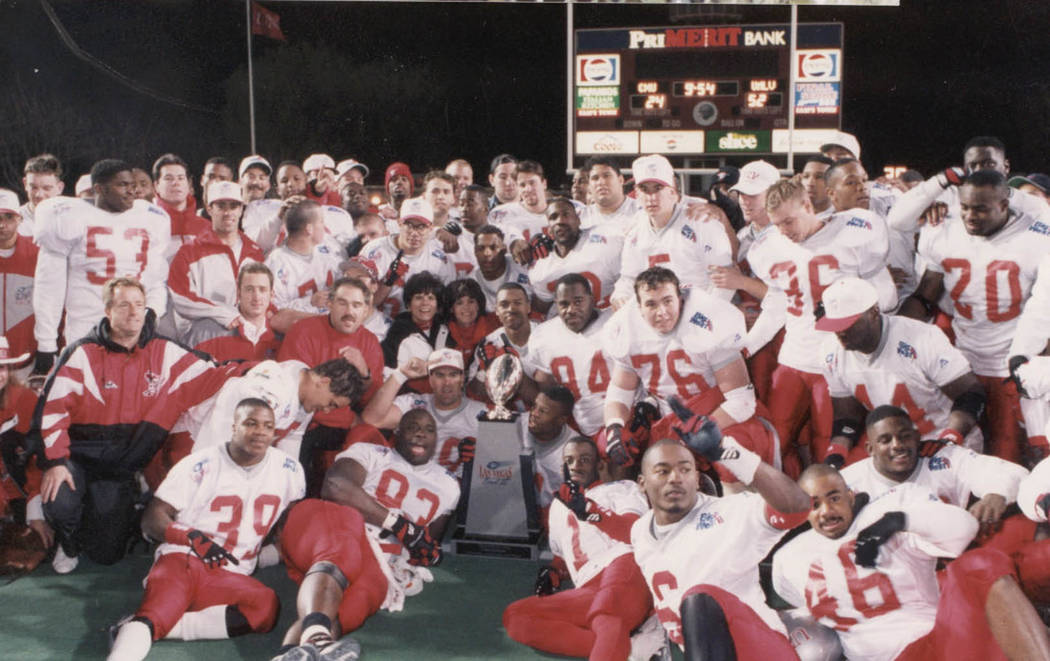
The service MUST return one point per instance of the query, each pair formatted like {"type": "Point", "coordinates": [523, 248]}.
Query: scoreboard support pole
{"type": "Point", "coordinates": [570, 106]}
{"type": "Point", "coordinates": [791, 88]}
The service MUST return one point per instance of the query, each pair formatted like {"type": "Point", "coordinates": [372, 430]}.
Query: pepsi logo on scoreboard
{"type": "Point", "coordinates": [823, 64]}
{"type": "Point", "coordinates": [597, 70]}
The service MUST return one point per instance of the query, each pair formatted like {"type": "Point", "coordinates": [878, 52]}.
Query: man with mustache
{"type": "Point", "coordinates": [869, 571]}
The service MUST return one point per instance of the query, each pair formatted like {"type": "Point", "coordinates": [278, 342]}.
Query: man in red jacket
{"type": "Point", "coordinates": [17, 265]}
{"type": "Point", "coordinates": [105, 410]}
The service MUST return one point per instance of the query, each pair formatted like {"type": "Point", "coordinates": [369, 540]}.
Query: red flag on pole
{"type": "Point", "coordinates": [266, 22]}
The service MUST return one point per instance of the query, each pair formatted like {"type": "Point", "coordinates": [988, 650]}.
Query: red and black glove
{"type": "Point", "coordinates": [644, 414]}
{"type": "Point", "coordinates": [422, 549]}
{"type": "Point", "coordinates": [954, 176]}
{"type": "Point", "coordinates": [570, 494]}
{"type": "Point", "coordinates": [453, 228]}
{"type": "Point", "coordinates": [620, 451]}
{"type": "Point", "coordinates": [490, 351]}
{"type": "Point", "coordinates": [874, 536]}
{"type": "Point", "coordinates": [547, 581]}
{"type": "Point", "coordinates": [467, 447]}
{"type": "Point", "coordinates": [204, 547]}
{"type": "Point", "coordinates": [541, 246]}
{"type": "Point", "coordinates": [699, 432]}
{"type": "Point", "coordinates": [398, 268]}
{"type": "Point", "coordinates": [836, 456]}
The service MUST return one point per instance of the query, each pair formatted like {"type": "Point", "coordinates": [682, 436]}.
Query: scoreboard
{"type": "Point", "coordinates": [693, 91]}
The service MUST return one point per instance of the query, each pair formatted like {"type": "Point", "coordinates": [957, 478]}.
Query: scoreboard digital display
{"type": "Point", "coordinates": [702, 90]}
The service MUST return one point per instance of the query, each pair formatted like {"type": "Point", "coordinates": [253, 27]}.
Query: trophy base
{"type": "Point", "coordinates": [495, 547]}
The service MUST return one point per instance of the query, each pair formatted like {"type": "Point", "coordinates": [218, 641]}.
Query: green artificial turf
{"type": "Point", "coordinates": [45, 616]}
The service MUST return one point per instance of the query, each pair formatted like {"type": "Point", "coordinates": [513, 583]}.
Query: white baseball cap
{"type": "Point", "coordinates": [83, 184]}
{"type": "Point", "coordinates": [224, 190]}
{"type": "Point", "coordinates": [844, 302]}
{"type": "Point", "coordinates": [253, 161]}
{"type": "Point", "coordinates": [9, 201]}
{"type": "Point", "coordinates": [846, 141]}
{"type": "Point", "coordinates": [349, 164]}
{"type": "Point", "coordinates": [653, 167]}
{"type": "Point", "coordinates": [318, 161]}
{"type": "Point", "coordinates": [756, 177]}
{"type": "Point", "coordinates": [5, 354]}
{"type": "Point", "coordinates": [417, 208]}
{"type": "Point", "coordinates": [445, 358]}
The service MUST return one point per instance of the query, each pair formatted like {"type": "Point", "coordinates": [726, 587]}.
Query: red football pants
{"type": "Point", "coordinates": [1002, 428]}
{"type": "Point", "coordinates": [797, 397]}
{"type": "Point", "coordinates": [961, 629]}
{"type": "Point", "coordinates": [179, 583]}
{"type": "Point", "coordinates": [319, 530]}
{"type": "Point", "coordinates": [593, 621]}
{"type": "Point", "coordinates": [752, 637]}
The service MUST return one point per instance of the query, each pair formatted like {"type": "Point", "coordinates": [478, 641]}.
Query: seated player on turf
{"type": "Point", "coordinates": [590, 532]}
{"type": "Point", "coordinates": [700, 554]}
{"type": "Point", "coordinates": [211, 515]}
{"type": "Point", "coordinates": [366, 546]}
{"type": "Point", "coordinates": [869, 571]}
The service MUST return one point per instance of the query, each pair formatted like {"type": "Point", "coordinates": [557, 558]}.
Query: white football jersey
{"type": "Point", "coordinates": [688, 248]}
{"type": "Point", "coordinates": [496, 337]}
{"type": "Point", "coordinates": [517, 222]}
{"type": "Point", "coordinates": [263, 225]}
{"type": "Point", "coordinates": [582, 544]}
{"type": "Point", "coordinates": [432, 258]}
{"type": "Point", "coordinates": [618, 222]}
{"type": "Point", "coordinates": [513, 272]}
{"type": "Point", "coordinates": [851, 243]}
{"type": "Point", "coordinates": [912, 363]}
{"type": "Point", "coordinates": [719, 542]}
{"type": "Point", "coordinates": [25, 228]}
{"type": "Point", "coordinates": [463, 261]}
{"type": "Point", "coordinates": [953, 474]}
{"type": "Point", "coordinates": [209, 423]}
{"type": "Point", "coordinates": [420, 493]}
{"type": "Point", "coordinates": [296, 278]}
{"type": "Point", "coordinates": [548, 460]}
{"type": "Point", "coordinates": [81, 247]}
{"type": "Point", "coordinates": [989, 280]}
{"type": "Point", "coordinates": [452, 426]}
{"type": "Point", "coordinates": [877, 612]}
{"type": "Point", "coordinates": [709, 336]}
{"type": "Point", "coordinates": [596, 256]}
{"type": "Point", "coordinates": [576, 361]}
{"type": "Point", "coordinates": [234, 505]}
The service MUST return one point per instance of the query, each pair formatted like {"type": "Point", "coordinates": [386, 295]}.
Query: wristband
{"type": "Point", "coordinates": [177, 533]}
{"type": "Point", "coordinates": [390, 521]}
{"type": "Point", "coordinates": [615, 421]}
{"type": "Point", "coordinates": [399, 376]}
{"type": "Point", "coordinates": [951, 435]}
{"type": "Point", "coordinates": [739, 460]}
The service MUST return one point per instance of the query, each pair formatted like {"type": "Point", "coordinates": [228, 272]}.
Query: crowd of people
{"type": "Point", "coordinates": [800, 416]}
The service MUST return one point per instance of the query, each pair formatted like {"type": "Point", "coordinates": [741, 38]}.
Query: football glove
{"type": "Point", "coordinates": [874, 536]}
{"type": "Point", "coordinates": [397, 269]}
{"type": "Point", "coordinates": [700, 433]}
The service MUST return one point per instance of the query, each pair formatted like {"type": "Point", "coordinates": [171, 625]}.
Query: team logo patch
{"type": "Point", "coordinates": [282, 275]}
{"type": "Point", "coordinates": [943, 362]}
{"type": "Point", "coordinates": [153, 383]}
{"type": "Point", "coordinates": [289, 463]}
{"type": "Point", "coordinates": [523, 279]}
{"type": "Point", "coordinates": [857, 221]}
{"type": "Point", "coordinates": [24, 295]}
{"type": "Point", "coordinates": [497, 472]}
{"type": "Point", "coordinates": [439, 255]}
{"type": "Point", "coordinates": [708, 519]}
{"type": "Point", "coordinates": [158, 211]}
{"type": "Point", "coordinates": [496, 215]}
{"type": "Point", "coordinates": [701, 320]}
{"type": "Point", "coordinates": [200, 469]}
{"type": "Point", "coordinates": [906, 350]}
{"type": "Point", "coordinates": [1040, 227]}
{"type": "Point", "coordinates": [419, 403]}
{"type": "Point", "coordinates": [829, 359]}
{"type": "Point", "coordinates": [597, 238]}
{"type": "Point", "coordinates": [688, 233]}
{"type": "Point", "coordinates": [940, 463]}
{"type": "Point", "coordinates": [323, 249]}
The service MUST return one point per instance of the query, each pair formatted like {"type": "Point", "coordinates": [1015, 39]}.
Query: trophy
{"type": "Point", "coordinates": [500, 505]}
{"type": "Point", "coordinates": [501, 381]}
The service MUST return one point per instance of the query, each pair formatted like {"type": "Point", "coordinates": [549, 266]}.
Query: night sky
{"type": "Point", "coordinates": [426, 82]}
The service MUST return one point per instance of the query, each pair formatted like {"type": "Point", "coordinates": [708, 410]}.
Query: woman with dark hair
{"type": "Point", "coordinates": [417, 331]}
{"type": "Point", "coordinates": [468, 322]}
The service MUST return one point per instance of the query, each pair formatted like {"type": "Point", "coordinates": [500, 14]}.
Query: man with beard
{"type": "Point", "coordinates": [591, 253]}
{"type": "Point", "coordinates": [254, 177]}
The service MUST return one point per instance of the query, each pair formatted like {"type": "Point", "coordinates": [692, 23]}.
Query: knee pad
{"type": "Point", "coordinates": [325, 567]}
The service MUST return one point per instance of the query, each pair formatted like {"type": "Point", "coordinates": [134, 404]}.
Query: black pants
{"type": "Point", "coordinates": [97, 518]}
